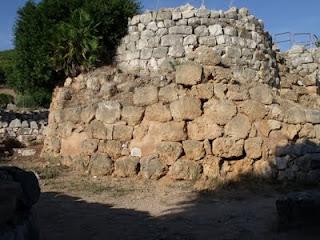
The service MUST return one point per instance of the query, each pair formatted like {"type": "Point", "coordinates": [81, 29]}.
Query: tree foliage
{"type": "Point", "coordinates": [59, 38]}
{"type": "Point", "coordinates": [6, 65]}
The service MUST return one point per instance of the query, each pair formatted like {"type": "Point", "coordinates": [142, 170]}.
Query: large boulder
{"type": "Point", "coordinates": [151, 167]}
{"type": "Point", "coordinates": [188, 74]}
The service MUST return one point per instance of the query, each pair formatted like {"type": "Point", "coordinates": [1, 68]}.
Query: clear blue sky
{"type": "Point", "coordinates": [278, 15]}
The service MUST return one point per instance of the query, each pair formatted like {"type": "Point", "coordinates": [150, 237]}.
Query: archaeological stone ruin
{"type": "Point", "coordinates": [193, 94]}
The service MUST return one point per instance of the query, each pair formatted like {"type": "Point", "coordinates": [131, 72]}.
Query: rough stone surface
{"type": "Point", "coordinates": [228, 147]}
{"type": "Point", "coordinates": [169, 151]}
{"type": "Point", "coordinates": [126, 167]}
{"type": "Point", "coordinates": [193, 149]}
{"type": "Point", "coordinates": [101, 165]}
{"type": "Point", "coordinates": [186, 108]}
{"type": "Point", "coordinates": [188, 74]}
{"type": "Point", "coordinates": [108, 112]}
{"type": "Point", "coordinates": [185, 170]}
{"type": "Point", "coordinates": [152, 167]}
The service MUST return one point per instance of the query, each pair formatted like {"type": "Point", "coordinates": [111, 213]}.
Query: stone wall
{"type": "Point", "coordinates": [24, 126]}
{"type": "Point", "coordinates": [212, 116]}
{"type": "Point", "coordinates": [300, 75]}
{"type": "Point", "coordinates": [157, 41]}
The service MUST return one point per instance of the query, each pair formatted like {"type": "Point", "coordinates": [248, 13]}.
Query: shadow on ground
{"type": "Point", "coordinates": [238, 212]}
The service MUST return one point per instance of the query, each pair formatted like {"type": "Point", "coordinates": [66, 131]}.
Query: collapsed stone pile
{"type": "Point", "coordinates": [209, 116]}
{"type": "Point", "coordinates": [25, 127]}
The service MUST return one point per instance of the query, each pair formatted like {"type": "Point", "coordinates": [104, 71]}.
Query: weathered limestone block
{"type": "Point", "coordinates": [207, 56]}
{"type": "Point", "coordinates": [208, 41]}
{"type": "Point", "coordinates": [89, 146]}
{"type": "Point", "coordinates": [201, 31]}
{"type": "Point", "coordinates": [307, 131]}
{"type": "Point", "coordinates": [238, 127]}
{"type": "Point", "coordinates": [188, 74]}
{"type": "Point", "coordinates": [171, 40]}
{"type": "Point", "coordinates": [122, 132]}
{"type": "Point", "coordinates": [172, 131]}
{"type": "Point", "coordinates": [158, 112]}
{"type": "Point", "coordinates": [88, 114]}
{"type": "Point", "coordinates": [253, 147]}
{"type": "Point", "coordinates": [215, 30]}
{"type": "Point", "coordinates": [313, 116]}
{"type": "Point", "coordinates": [152, 168]}
{"type": "Point", "coordinates": [190, 40]}
{"type": "Point", "coordinates": [220, 112]}
{"type": "Point", "coordinates": [202, 128]}
{"type": "Point", "coordinates": [112, 148]}
{"type": "Point", "coordinates": [211, 167]}
{"type": "Point", "coordinates": [132, 115]}
{"type": "Point", "coordinates": [237, 93]}
{"type": "Point", "coordinates": [176, 51]}
{"type": "Point", "coordinates": [168, 93]}
{"type": "Point", "coordinates": [294, 114]}
{"type": "Point", "coordinates": [71, 114]}
{"type": "Point", "coordinates": [160, 52]}
{"type": "Point", "coordinates": [99, 130]}
{"type": "Point", "coordinates": [126, 167]}
{"type": "Point", "coordinates": [145, 96]}
{"type": "Point", "coordinates": [253, 109]}
{"type": "Point", "coordinates": [184, 169]}
{"type": "Point", "coordinates": [261, 94]}
{"type": "Point", "coordinates": [163, 15]}
{"type": "Point", "coordinates": [169, 152]}
{"type": "Point", "coordinates": [101, 165]}
{"type": "Point", "coordinates": [184, 30]}
{"type": "Point", "coordinates": [108, 112]}
{"type": "Point", "coordinates": [202, 91]}
{"type": "Point", "coordinates": [291, 131]}
{"type": "Point", "coordinates": [266, 126]}
{"type": "Point", "coordinates": [193, 149]}
{"type": "Point", "coordinates": [227, 147]}
{"type": "Point", "coordinates": [186, 108]}
{"type": "Point", "coordinates": [263, 169]}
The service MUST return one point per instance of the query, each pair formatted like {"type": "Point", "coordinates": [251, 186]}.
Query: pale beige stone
{"type": "Point", "coordinates": [108, 112]}
{"type": "Point", "coordinates": [211, 167]}
{"type": "Point", "coordinates": [186, 108]}
{"type": "Point", "coordinates": [158, 112]}
{"type": "Point", "coordinates": [253, 147]}
{"type": "Point", "coordinates": [152, 168]}
{"type": "Point", "coordinates": [262, 93]}
{"type": "Point", "coordinates": [132, 115]}
{"type": "Point", "coordinates": [202, 91]}
{"type": "Point", "coordinates": [145, 96]}
{"type": "Point", "coordinates": [168, 93]}
{"type": "Point", "coordinates": [254, 110]}
{"type": "Point", "coordinates": [219, 111]}
{"type": "Point", "coordinates": [203, 128]}
{"type": "Point", "coordinates": [227, 147]}
{"type": "Point", "coordinates": [188, 74]}
{"type": "Point", "coordinates": [238, 127]}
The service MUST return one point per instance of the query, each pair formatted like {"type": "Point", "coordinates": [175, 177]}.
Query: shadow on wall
{"type": "Point", "coordinates": [233, 211]}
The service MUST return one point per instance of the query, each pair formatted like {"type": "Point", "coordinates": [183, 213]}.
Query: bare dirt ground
{"type": "Point", "coordinates": [74, 207]}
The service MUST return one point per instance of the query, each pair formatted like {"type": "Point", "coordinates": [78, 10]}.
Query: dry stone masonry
{"type": "Point", "coordinates": [24, 126]}
{"type": "Point", "coordinates": [158, 41]}
{"type": "Point", "coordinates": [191, 97]}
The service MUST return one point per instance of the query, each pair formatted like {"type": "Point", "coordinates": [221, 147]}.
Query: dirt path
{"type": "Point", "coordinates": [76, 207]}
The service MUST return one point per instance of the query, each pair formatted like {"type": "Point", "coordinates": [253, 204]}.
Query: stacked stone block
{"type": "Point", "coordinates": [157, 41]}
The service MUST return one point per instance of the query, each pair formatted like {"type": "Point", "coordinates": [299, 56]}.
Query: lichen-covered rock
{"type": "Point", "coordinates": [193, 149]}
{"type": "Point", "coordinates": [101, 165]}
{"type": "Point", "coordinates": [126, 167]}
{"type": "Point", "coordinates": [152, 168]}
{"type": "Point", "coordinates": [184, 169]}
{"type": "Point", "coordinates": [169, 152]}
{"type": "Point", "coordinates": [111, 148]}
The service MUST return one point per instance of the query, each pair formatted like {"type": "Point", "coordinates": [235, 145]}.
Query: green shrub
{"type": "Point", "coordinates": [59, 38]}
{"type": "Point", "coordinates": [6, 65]}
{"type": "Point", "coordinates": [5, 100]}
{"type": "Point", "coordinates": [38, 97]}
